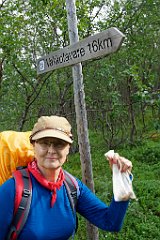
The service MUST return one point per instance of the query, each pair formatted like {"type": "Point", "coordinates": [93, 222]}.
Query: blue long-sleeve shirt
{"type": "Point", "coordinates": [58, 222]}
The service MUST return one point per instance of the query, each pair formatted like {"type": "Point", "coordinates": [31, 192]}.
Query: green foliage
{"type": "Point", "coordinates": [146, 152]}
{"type": "Point", "coordinates": [122, 95]}
{"type": "Point", "coordinates": [142, 219]}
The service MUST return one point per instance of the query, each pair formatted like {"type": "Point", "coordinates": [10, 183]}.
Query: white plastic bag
{"type": "Point", "coordinates": [122, 182]}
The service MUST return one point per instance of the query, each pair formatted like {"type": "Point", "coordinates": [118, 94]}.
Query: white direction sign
{"type": "Point", "coordinates": [96, 46]}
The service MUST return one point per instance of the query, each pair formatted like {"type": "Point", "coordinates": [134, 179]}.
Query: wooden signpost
{"type": "Point", "coordinates": [96, 46]}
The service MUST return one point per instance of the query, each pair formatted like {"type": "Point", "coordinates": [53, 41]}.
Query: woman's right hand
{"type": "Point", "coordinates": [123, 163]}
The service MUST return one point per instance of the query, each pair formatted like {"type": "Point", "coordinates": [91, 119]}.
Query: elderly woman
{"type": "Point", "coordinates": [51, 216]}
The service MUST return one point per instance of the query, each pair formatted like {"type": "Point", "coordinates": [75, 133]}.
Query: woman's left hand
{"type": "Point", "coordinates": [123, 163]}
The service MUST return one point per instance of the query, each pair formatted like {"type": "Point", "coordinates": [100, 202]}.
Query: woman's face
{"type": "Point", "coordinates": [51, 153]}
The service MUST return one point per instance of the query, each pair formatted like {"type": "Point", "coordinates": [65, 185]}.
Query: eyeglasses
{"type": "Point", "coordinates": [57, 144]}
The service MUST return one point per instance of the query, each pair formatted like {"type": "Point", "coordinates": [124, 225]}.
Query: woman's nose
{"type": "Point", "coordinates": [51, 147]}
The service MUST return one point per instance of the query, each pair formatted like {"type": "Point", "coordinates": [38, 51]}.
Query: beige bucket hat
{"type": "Point", "coordinates": [52, 126]}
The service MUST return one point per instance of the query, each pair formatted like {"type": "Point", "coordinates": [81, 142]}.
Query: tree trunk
{"type": "Point", "coordinates": [81, 115]}
{"type": "Point", "coordinates": [131, 111]}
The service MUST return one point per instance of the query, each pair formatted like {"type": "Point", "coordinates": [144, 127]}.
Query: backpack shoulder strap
{"type": "Point", "coordinates": [73, 193]}
{"type": "Point", "coordinates": [72, 188]}
{"type": "Point", "coordinates": [23, 196]}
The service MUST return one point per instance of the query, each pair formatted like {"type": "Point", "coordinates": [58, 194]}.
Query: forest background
{"type": "Point", "coordinates": [122, 92]}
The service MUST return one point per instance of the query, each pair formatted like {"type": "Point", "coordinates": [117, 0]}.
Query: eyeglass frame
{"type": "Point", "coordinates": [45, 144]}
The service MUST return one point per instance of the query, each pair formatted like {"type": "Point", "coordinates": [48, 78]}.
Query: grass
{"type": "Point", "coordinates": [142, 221]}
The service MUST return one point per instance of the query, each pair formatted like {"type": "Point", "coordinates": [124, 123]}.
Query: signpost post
{"type": "Point", "coordinates": [96, 46]}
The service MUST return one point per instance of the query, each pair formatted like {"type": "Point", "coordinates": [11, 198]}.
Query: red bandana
{"type": "Point", "coordinates": [52, 186]}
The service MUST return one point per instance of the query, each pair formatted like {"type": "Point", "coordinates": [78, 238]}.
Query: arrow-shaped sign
{"type": "Point", "coordinates": [96, 46]}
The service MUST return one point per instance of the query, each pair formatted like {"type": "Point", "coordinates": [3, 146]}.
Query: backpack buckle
{"type": "Point", "coordinates": [26, 192]}
{"type": "Point", "coordinates": [74, 194]}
